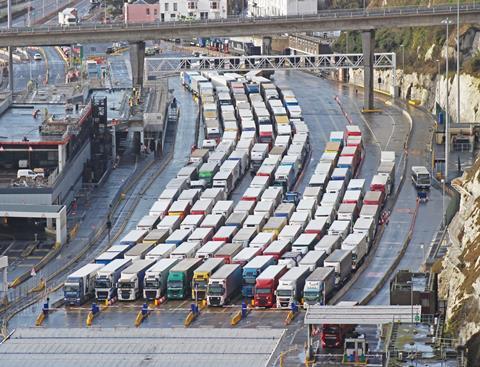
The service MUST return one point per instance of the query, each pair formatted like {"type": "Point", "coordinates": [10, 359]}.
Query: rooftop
{"type": "Point", "coordinates": [17, 123]}
{"type": "Point", "coordinates": [140, 347]}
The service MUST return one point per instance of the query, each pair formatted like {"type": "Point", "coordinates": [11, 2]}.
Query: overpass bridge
{"type": "Point", "coordinates": [366, 20]}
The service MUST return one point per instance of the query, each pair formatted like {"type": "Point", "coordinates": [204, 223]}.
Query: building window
{"type": "Point", "coordinates": [175, 8]}
{"type": "Point", "coordinates": [172, 16]}
{"type": "Point", "coordinates": [166, 6]}
{"type": "Point", "coordinates": [162, 17]}
{"type": "Point", "coordinates": [191, 5]}
{"type": "Point", "coordinates": [213, 5]}
{"type": "Point", "coordinates": [203, 15]}
{"type": "Point", "coordinates": [191, 14]}
{"type": "Point", "coordinates": [155, 11]}
{"type": "Point", "coordinates": [148, 11]}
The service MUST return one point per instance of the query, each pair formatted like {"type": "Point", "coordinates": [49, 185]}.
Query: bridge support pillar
{"type": "Point", "coordinates": [266, 45]}
{"type": "Point", "coordinates": [137, 61]}
{"type": "Point", "coordinates": [368, 40]}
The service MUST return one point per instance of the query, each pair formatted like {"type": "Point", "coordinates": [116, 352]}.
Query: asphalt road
{"type": "Point", "coordinates": [401, 218]}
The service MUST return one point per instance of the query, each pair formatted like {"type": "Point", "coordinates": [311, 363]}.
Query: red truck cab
{"type": "Point", "coordinates": [333, 336]}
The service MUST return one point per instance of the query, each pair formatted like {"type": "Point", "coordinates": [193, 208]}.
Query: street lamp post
{"type": "Point", "coordinates": [447, 118]}
{"type": "Point", "coordinates": [458, 61]}
{"type": "Point", "coordinates": [403, 57]}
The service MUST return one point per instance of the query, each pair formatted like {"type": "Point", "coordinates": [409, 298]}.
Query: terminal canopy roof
{"type": "Point", "coordinates": [361, 315]}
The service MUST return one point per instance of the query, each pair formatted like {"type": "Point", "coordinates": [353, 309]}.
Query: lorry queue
{"type": "Point", "coordinates": [274, 246]}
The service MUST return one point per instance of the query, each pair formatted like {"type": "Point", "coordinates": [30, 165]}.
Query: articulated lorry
{"type": "Point", "coordinates": [107, 278]}
{"type": "Point", "coordinates": [252, 270]}
{"type": "Point", "coordinates": [266, 285]}
{"type": "Point", "coordinates": [80, 285]}
{"type": "Point", "coordinates": [341, 260]}
{"type": "Point", "coordinates": [290, 286]}
{"type": "Point", "coordinates": [318, 286]}
{"type": "Point", "coordinates": [179, 282]}
{"type": "Point", "coordinates": [224, 284]}
{"type": "Point", "coordinates": [201, 276]}
{"type": "Point", "coordinates": [155, 281]}
{"type": "Point", "coordinates": [130, 284]}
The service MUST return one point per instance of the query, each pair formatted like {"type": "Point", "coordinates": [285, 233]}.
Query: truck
{"type": "Point", "coordinates": [329, 244]}
{"type": "Point", "coordinates": [179, 281]}
{"type": "Point", "coordinates": [185, 250]}
{"type": "Point", "coordinates": [318, 286]}
{"type": "Point", "coordinates": [155, 280]}
{"type": "Point", "coordinates": [341, 260]}
{"type": "Point", "coordinates": [284, 210]}
{"type": "Point", "coordinates": [245, 255]}
{"type": "Point", "coordinates": [201, 276]}
{"type": "Point", "coordinates": [305, 242]}
{"type": "Point", "coordinates": [365, 226]}
{"type": "Point", "coordinates": [290, 259]}
{"type": "Point", "coordinates": [225, 233]}
{"type": "Point", "coordinates": [266, 285]}
{"type": "Point", "coordinates": [161, 251]}
{"type": "Point", "coordinates": [133, 237]}
{"type": "Point", "coordinates": [223, 207]}
{"type": "Point", "coordinates": [130, 284]}
{"type": "Point", "coordinates": [156, 236]}
{"type": "Point", "coordinates": [237, 219]}
{"type": "Point", "coordinates": [258, 153]}
{"type": "Point", "coordinates": [107, 278]}
{"type": "Point", "coordinates": [107, 257]}
{"type": "Point", "coordinates": [252, 270]}
{"type": "Point", "coordinates": [290, 286]}
{"type": "Point", "coordinates": [80, 285]}
{"type": "Point", "coordinates": [160, 208]}
{"type": "Point", "coordinates": [138, 251]}
{"type": "Point", "coordinates": [148, 222]}
{"type": "Point", "coordinates": [313, 259]}
{"type": "Point", "coordinates": [68, 17]}
{"type": "Point", "coordinates": [244, 236]}
{"type": "Point", "coordinates": [224, 284]}
{"type": "Point", "coordinates": [357, 243]}
{"type": "Point", "coordinates": [228, 251]}
{"type": "Point", "coordinates": [277, 248]}
{"type": "Point", "coordinates": [209, 249]}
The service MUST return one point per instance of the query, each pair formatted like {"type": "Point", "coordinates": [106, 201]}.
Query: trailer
{"type": "Point", "coordinates": [313, 259]}
{"type": "Point", "coordinates": [329, 244]}
{"type": "Point", "coordinates": [80, 285]}
{"type": "Point", "coordinates": [228, 251]}
{"type": "Point", "coordinates": [186, 250]}
{"type": "Point", "coordinates": [139, 251]}
{"type": "Point", "coordinates": [202, 275]}
{"type": "Point", "coordinates": [155, 280]}
{"type": "Point", "coordinates": [209, 249]}
{"type": "Point", "coordinates": [357, 244]}
{"type": "Point", "coordinates": [223, 284]}
{"type": "Point", "coordinates": [107, 277]}
{"type": "Point", "coordinates": [290, 286]}
{"type": "Point", "coordinates": [266, 284]}
{"type": "Point", "coordinates": [319, 286]}
{"type": "Point", "coordinates": [277, 248]}
{"type": "Point", "coordinates": [130, 284]}
{"type": "Point", "coordinates": [179, 281]}
{"type": "Point", "coordinates": [341, 260]}
{"type": "Point", "coordinates": [252, 270]}
{"type": "Point", "coordinates": [160, 251]}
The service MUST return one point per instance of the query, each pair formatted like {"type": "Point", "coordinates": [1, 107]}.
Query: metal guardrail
{"type": "Point", "coordinates": [334, 13]}
{"type": "Point", "coordinates": [160, 65]}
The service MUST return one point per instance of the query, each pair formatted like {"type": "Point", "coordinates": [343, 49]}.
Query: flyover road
{"type": "Point", "coordinates": [323, 21]}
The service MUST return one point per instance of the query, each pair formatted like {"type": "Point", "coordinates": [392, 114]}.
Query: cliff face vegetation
{"type": "Point", "coordinates": [460, 274]}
